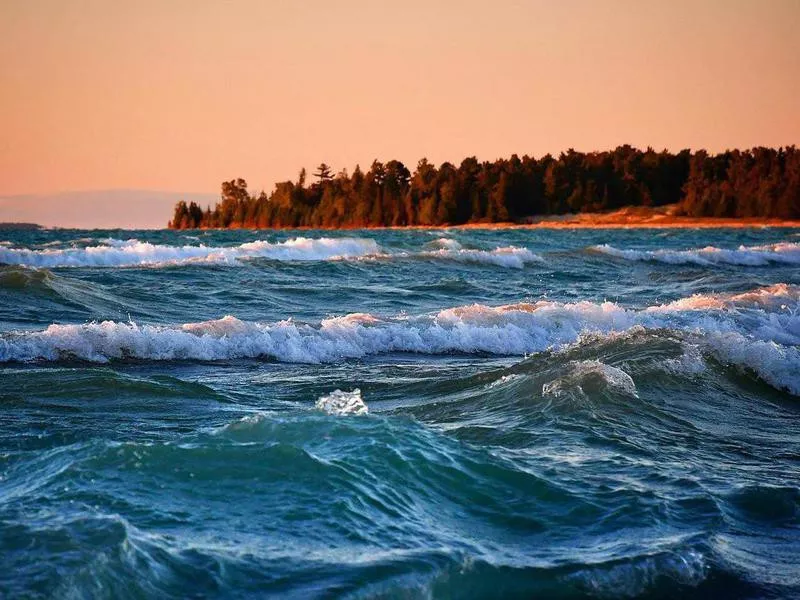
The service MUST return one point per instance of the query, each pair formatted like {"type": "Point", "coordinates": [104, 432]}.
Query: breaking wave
{"type": "Point", "coordinates": [119, 253]}
{"type": "Point", "coordinates": [758, 331]}
{"type": "Point", "coordinates": [508, 256]}
{"type": "Point", "coordinates": [112, 252]}
{"type": "Point", "coordinates": [751, 256]}
{"type": "Point", "coordinates": [449, 250]}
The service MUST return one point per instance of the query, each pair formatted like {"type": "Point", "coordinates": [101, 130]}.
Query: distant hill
{"type": "Point", "coordinates": [97, 209]}
{"type": "Point", "coordinates": [19, 226]}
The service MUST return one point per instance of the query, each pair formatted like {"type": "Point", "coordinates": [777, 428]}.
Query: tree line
{"type": "Point", "coordinates": [761, 182]}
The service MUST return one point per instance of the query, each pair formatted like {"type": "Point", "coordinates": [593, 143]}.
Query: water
{"type": "Point", "coordinates": [452, 413]}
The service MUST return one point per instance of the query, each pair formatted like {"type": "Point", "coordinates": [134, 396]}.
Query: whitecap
{"type": "Point", "coordinates": [757, 336]}
{"type": "Point", "coordinates": [752, 256]}
{"type": "Point", "coordinates": [341, 403]}
{"type": "Point", "coordinates": [133, 252]}
{"type": "Point", "coordinates": [511, 257]}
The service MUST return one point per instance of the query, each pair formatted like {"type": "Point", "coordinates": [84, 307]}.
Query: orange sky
{"type": "Point", "coordinates": [179, 95]}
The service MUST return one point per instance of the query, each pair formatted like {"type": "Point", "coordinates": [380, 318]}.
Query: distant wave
{"type": "Point", "coordinates": [762, 338]}
{"type": "Point", "coordinates": [507, 256]}
{"type": "Point", "coordinates": [119, 253]}
{"type": "Point", "coordinates": [751, 256]}
{"type": "Point", "coordinates": [772, 298]}
{"type": "Point", "coordinates": [112, 252]}
{"type": "Point", "coordinates": [449, 250]}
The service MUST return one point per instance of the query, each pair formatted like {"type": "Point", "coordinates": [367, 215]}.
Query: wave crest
{"type": "Point", "coordinates": [507, 256]}
{"type": "Point", "coordinates": [750, 256]}
{"type": "Point", "coordinates": [754, 339]}
{"type": "Point", "coordinates": [592, 373]}
{"type": "Point", "coordinates": [128, 253]}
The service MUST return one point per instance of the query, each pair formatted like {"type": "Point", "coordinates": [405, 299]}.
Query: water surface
{"type": "Point", "coordinates": [446, 413]}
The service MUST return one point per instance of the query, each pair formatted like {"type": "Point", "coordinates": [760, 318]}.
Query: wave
{"type": "Point", "coordinates": [70, 293]}
{"type": "Point", "coordinates": [449, 250]}
{"type": "Point", "coordinates": [508, 256]}
{"type": "Point", "coordinates": [751, 256]}
{"type": "Point", "coordinates": [778, 297]}
{"type": "Point", "coordinates": [593, 373]}
{"type": "Point", "coordinates": [635, 576]}
{"type": "Point", "coordinates": [124, 253]}
{"type": "Point", "coordinates": [21, 278]}
{"type": "Point", "coordinates": [110, 252]}
{"type": "Point", "coordinates": [762, 341]}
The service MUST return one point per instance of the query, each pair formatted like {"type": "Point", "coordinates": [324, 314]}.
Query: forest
{"type": "Point", "coordinates": [760, 182]}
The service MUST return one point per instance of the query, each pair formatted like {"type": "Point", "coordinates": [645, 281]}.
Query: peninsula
{"type": "Point", "coordinates": [624, 187]}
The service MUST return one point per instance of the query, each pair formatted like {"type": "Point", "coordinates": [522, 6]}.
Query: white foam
{"type": "Point", "coordinates": [449, 250]}
{"type": "Point", "coordinates": [444, 243]}
{"type": "Point", "coordinates": [121, 253]}
{"type": "Point", "coordinates": [111, 252]}
{"type": "Point", "coordinates": [770, 313]}
{"type": "Point", "coordinates": [341, 403]}
{"type": "Point", "coordinates": [776, 364]}
{"type": "Point", "coordinates": [753, 256]}
{"type": "Point", "coordinates": [508, 256]}
{"type": "Point", "coordinates": [778, 297]}
{"type": "Point", "coordinates": [758, 336]}
{"type": "Point", "coordinates": [504, 330]}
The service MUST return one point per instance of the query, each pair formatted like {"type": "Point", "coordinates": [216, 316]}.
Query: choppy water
{"type": "Point", "coordinates": [400, 414]}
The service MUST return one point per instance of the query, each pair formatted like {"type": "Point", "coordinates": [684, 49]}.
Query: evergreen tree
{"type": "Point", "coordinates": [761, 182]}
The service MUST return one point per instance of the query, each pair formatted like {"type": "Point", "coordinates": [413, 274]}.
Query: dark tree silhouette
{"type": "Point", "coordinates": [762, 182]}
{"type": "Point", "coordinates": [323, 173]}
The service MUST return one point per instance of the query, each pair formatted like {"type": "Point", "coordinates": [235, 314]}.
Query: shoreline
{"type": "Point", "coordinates": [590, 222]}
{"type": "Point", "coordinates": [582, 221]}
{"type": "Point", "coordinates": [629, 217]}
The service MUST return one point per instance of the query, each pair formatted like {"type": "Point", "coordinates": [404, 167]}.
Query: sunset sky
{"type": "Point", "coordinates": [178, 95]}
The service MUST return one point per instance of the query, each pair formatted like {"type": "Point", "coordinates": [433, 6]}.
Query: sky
{"type": "Point", "coordinates": [176, 96]}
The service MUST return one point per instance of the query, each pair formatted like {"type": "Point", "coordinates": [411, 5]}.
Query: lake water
{"type": "Point", "coordinates": [426, 413]}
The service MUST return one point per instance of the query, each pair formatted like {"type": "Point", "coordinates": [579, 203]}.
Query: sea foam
{"type": "Point", "coordinates": [341, 403]}
{"type": "Point", "coordinates": [449, 250]}
{"type": "Point", "coordinates": [506, 256]}
{"type": "Point", "coordinates": [763, 339]}
{"type": "Point", "coordinates": [125, 253]}
{"type": "Point", "coordinates": [752, 256]}
{"type": "Point", "coordinates": [111, 252]}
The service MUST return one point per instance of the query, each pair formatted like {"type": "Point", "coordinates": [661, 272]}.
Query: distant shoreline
{"type": "Point", "coordinates": [621, 220]}
{"type": "Point", "coordinates": [645, 187]}
{"type": "Point", "coordinates": [625, 218]}
{"type": "Point", "coordinates": [20, 226]}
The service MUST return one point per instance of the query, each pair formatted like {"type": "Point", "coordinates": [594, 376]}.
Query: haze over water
{"type": "Point", "coordinates": [446, 413]}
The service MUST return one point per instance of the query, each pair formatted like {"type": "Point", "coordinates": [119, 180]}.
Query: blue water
{"type": "Point", "coordinates": [443, 413]}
